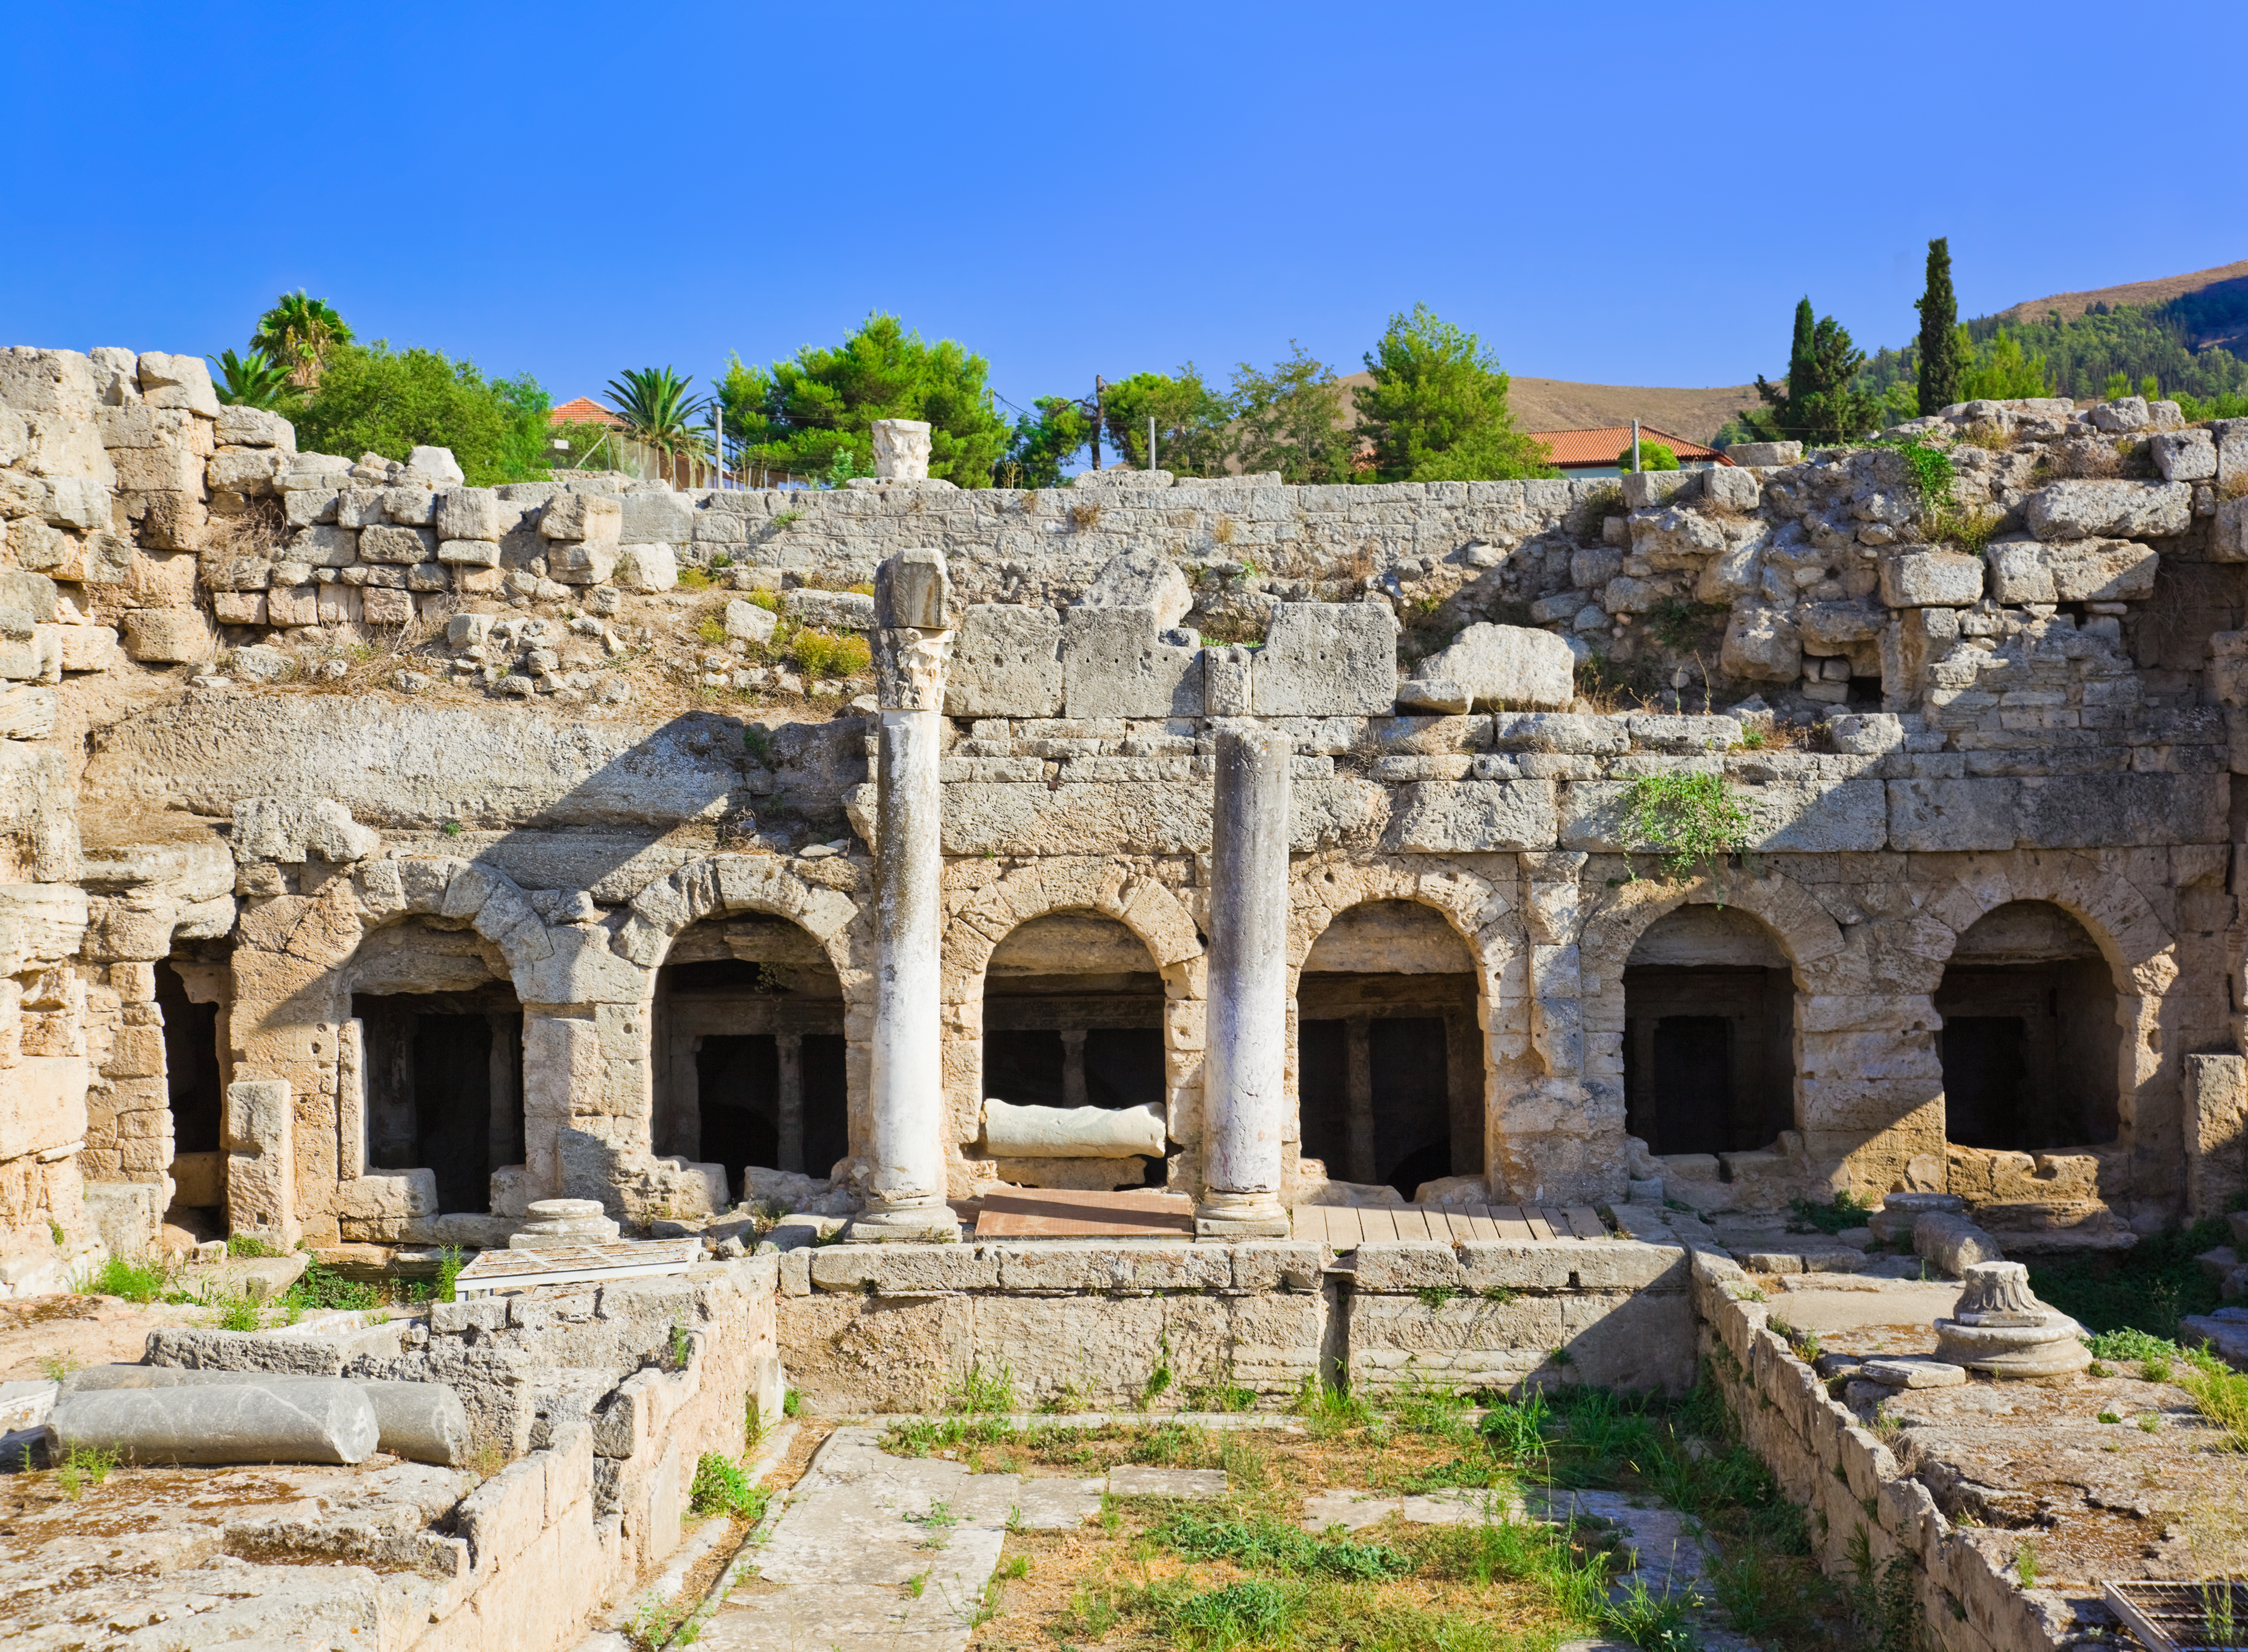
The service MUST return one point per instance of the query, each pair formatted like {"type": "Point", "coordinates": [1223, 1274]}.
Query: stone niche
{"type": "Point", "coordinates": [1709, 1055]}
{"type": "Point", "coordinates": [1073, 1017]}
{"type": "Point", "coordinates": [1389, 1075]}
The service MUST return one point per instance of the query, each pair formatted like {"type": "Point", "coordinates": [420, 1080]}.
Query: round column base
{"type": "Point", "coordinates": [1241, 1215]}
{"type": "Point", "coordinates": [915, 1225]}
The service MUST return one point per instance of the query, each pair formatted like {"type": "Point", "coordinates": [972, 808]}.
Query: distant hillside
{"type": "Point", "coordinates": [2139, 294]}
{"type": "Point", "coordinates": [1562, 404]}
{"type": "Point", "coordinates": [2181, 331]}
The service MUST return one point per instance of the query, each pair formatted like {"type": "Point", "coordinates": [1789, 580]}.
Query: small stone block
{"type": "Point", "coordinates": [1132, 1480]}
{"type": "Point", "coordinates": [1913, 1370]}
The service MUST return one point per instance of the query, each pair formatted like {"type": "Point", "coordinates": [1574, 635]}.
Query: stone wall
{"type": "Point", "coordinates": [1092, 1325]}
{"type": "Point", "coordinates": [1851, 1486]}
{"type": "Point", "coordinates": [1935, 734]}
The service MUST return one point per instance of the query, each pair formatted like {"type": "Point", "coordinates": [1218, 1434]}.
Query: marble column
{"type": "Point", "coordinates": [906, 1178]}
{"type": "Point", "coordinates": [1245, 1068]}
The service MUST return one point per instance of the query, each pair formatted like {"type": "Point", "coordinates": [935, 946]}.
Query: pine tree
{"type": "Point", "coordinates": [1939, 332]}
{"type": "Point", "coordinates": [1818, 404]}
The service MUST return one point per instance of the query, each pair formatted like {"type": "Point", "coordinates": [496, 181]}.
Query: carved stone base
{"type": "Point", "coordinates": [917, 1225]}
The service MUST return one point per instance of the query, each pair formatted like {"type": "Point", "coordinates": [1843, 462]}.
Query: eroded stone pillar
{"type": "Point", "coordinates": [1072, 1066]}
{"type": "Point", "coordinates": [1359, 1094]}
{"type": "Point", "coordinates": [789, 1100]}
{"type": "Point", "coordinates": [1244, 1070]}
{"type": "Point", "coordinates": [906, 1180]}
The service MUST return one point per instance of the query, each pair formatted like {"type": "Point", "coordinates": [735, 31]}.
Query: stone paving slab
{"type": "Point", "coordinates": [1132, 1480]}
{"type": "Point", "coordinates": [861, 1528]}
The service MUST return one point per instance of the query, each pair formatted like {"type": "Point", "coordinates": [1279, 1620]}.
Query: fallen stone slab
{"type": "Point", "coordinates": [26, 1405]}
{"type": "Point", "coordinates": [1354, 1510]}
{"type": "Point", "coordinates": [422, 1422]}
{"type": "Point", "coordinates": [305, 1350]}
{"type": "Point", "coordinates": [1132, 1480]}
{"type": "Point", "coordinates": [2225, 1331]}
{"type": "Point", "coordinates": [278, 1420]}
{"type": "Point", "coordinates": [1913, 1370]}
{"type": "Point", "coordinates": [1952, 1243]}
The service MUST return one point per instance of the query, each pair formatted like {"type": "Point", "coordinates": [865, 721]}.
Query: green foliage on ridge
{"type": "Point", "coordinates": [371, 399]}
{"type": "Point", "coordinates": [1438, 410]}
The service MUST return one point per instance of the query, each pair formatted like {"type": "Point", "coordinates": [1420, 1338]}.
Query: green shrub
{"type": "Point", "coordinates": [723, 1487]}
{"type": "Point", "coordinates": [136, 1280]}
{"type": "Point", "coordinates": [1689, 819]}
{"type": "Point", "coordinates": [1653, 456]}
{"type": "Point", "coordinates": [822, 653]}
{"type": "Point", "coordinates": [1844, 1213]}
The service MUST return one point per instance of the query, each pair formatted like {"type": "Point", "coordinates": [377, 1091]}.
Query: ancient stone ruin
{"type": "Point", "coordinates": [389, 859]}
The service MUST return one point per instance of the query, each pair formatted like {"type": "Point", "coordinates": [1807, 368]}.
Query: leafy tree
{"type": "Point", "coordinates": [1939, 332]}
{"type": "Point", "coordinates": [1653, 456]}
{"type": "Point", "coordinates": [1191, 438]}
{"type": "Point", "coordinates": [2000, 370]}
{"type": "Point", "coordinates": [1290, 420]}
{"type": "Point", "coordinates": [1819, 403]}
{"type": "Point", "coordinates": [301, 333]}
{"type": "Point", "coordinates": [1436, 410]}
{"type": "Point", "coordinates": [799, 415]}
{"type": "Point", "coordinates": [657, 412]}
{"type": "Point", "coordinates": [374, 398]}
{"type": "Point", "coordinates": [1044, 442]}
{"type": "Point", "coordinates": [253, 381]}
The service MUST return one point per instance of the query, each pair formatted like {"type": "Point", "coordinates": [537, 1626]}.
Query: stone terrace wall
{"type": "Point", "coordinates": [1848, 1483]}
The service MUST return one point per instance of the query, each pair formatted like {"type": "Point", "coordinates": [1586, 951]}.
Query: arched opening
{"type": "Point", "coordinates": [2029, 1042]}
{"type": "Point", "coordinates": [190, 987]}
{"type": "Point", "coordinates": [748, 1041]}
{"type": "Point", "coordinates": [1073, 1017]}
{"type": "Point", "coordinates": [1388, 1055]}
{"type": "Point", "coordinates": [1708, 1050]}
{"type": "Point", "coordinates": [441, 1039]}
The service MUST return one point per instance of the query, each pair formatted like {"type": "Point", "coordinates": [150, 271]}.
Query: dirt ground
{"type": "Point", "coordinates": [44, 1335]}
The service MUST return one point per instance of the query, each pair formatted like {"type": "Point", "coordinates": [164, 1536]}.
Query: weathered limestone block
{"type": "Point", "coordinates": [2216, 1132]}
{"type": "Point", "coordinates": [158, 635]}
{"type": "Point", "coordinates": [1006, 662]}
{"type": "Point", "coordinates": [473, 513]}
{"type": "Point", "coordinates": [279, 829]}
{"type": "Point", "coordinates": [1931, 579]}
{"type": "Point", "coordinates": [595, 518]}
{"type": "Point", "coordinates": [581, 562]}
{"type": "Point", "coordinates": [2183, 455]}
{"type": "Point", "coordinates": [1115, 664]}
{"type": "Point", "coordinates": [177, 382]}
{"type": "Point", "coordinates": [655, 518]}
{"type": "Point", "coordinates": [2078, 571]}
{"type": "Point", "coordinates": [913, 590]}
{"type": "Point", "coordinates": [437, 464]}
{"type": "Point", "coordinates": [1437, 817]}
{"type": "Point", "coordinates": [1334, 659]}
{"type": "Point", "coordinates": [906, 1269]}
{"type": "Point", "coordinates": [381, 1206]}
{"type": "Point", "coordinates": [1011, 1131]}
{"type": "Point", "coordinates": [2109, 510]}
{"type": "Point", "coordinates": [240, 427]}
{"type": "Point", "coordinates": [1503, 668]}
{"type": "Point", "coordinates": [1141, 579]}
{"type": "Point", "coordinates": [829, 610]}
{"type": "Point", "coordinates": [1761, 645]}
{"type": "Point", "coordinates": [646, 567]}
{"type": "Point", "coordinates": [271, 1420]}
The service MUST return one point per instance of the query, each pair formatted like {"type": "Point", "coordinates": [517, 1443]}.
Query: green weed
{"type": "Point", "coordinates": [721, 1487]}
{"type": "Point", "coordinates": [981, 1392]}
{"type": "Point", "coordinates": [1657, 1625]}
{"type": "Point", "coordinates": [1844, 1213]}
{"type": "Point", "coordinates": [1691, 820]}
{"type": "Point", "coordinates": [140, 1280]}
{"type": "Point", "coordinates": [2221, 1393]}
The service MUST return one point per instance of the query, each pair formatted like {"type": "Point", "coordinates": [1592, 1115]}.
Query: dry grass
{"type": "Point", "coordinates": [1985, 433]}
{"type": "Point", "coordinates": [257, 533]}
{"type": "Point", "coordinates": [1085, 517]}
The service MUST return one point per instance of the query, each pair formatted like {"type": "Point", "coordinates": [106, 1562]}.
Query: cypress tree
{"type": "Point", "coordinates": [1799, 368]}
{"type": "Point", "coordinates": [1939, 332]}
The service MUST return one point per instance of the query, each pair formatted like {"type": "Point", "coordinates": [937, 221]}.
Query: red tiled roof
{"type": "Point", "coordinates": [584, 410]}
{"type": "Point", "coordinates": [1602, 445]}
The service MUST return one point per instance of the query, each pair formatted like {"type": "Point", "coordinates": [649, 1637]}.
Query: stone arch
{"type": "Point", "coordinates": [2140, 949]}
{"type": "Point", "coordinates": [1482, 913]}
{"type": "Point", "coordinates": [977, 919]}
{"type": "Point", "coordinates": [1808, 937]}
{"type": "Point", "coordinates": [721, 886]}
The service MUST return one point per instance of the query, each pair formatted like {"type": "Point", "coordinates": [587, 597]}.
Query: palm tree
{"type": "Point", "coordinates": [301, 333]}
{"type": "Point", "coordinates": [253, 381]}
{"type": "Point", "coordinates": [658, 413]}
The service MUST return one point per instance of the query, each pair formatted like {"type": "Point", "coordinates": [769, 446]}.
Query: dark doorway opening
{"type": "Point", "coordinates": [191, 1066]}
{"type": "Point", "coordinates": [444, 1087]}
{"type": "Point", "coordinates": [1709, 1048]}
{"type": "Point", "coordinates": [1389, 1081]}
{"type": "Point", "coordinates": [2030, 1043]}
{"type": "Point", "coordinates": [750, 1054]}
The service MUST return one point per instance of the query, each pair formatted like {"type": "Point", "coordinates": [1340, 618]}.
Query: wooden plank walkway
{"type": "Point", "coordinates": [1346, 1227]}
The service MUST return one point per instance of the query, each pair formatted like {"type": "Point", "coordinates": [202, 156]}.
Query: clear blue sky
{"type": "Point", "coordinates": [1609, 192]}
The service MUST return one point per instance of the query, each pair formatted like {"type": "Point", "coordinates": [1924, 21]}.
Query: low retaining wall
{"type": "Point", "coordinates": [1848, 1483]}
{"type": "Point", "coordinates": [892, 1327]}
{"type": "Point", "coordinates": [582, 1389]}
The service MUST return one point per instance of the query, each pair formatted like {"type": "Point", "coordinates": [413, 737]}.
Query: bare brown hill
{"type": "Point", "coordinates": [1563, 404]}
{"type": "Point", "coordinates": [2161, 291]}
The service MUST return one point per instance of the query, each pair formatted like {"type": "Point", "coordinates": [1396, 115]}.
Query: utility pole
{"type": "Point", "coordinates": [718, 424]}
{"type": "Point", "coordinates": [1151, 442]}
{"type": "Point", "coordinates": [1634, 447]}
{"type": "Point", "coordinates": [1100, 390]}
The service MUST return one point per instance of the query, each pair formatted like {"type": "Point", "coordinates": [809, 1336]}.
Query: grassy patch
{"type": "Point", "coordinates": [2148, 1287]}
{"type": "Point", "coordinates": [135, 1279]}
{"type": "Point", "coordinates": [2221, 1393]}
{"type": "Point", "coordinates": [1843, 1214]}
{"type": "Point", "coordinates": [721, 1487]}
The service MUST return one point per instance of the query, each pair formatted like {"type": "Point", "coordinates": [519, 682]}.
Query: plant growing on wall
{"type": "Point", "coordinates": [1691, 820]}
